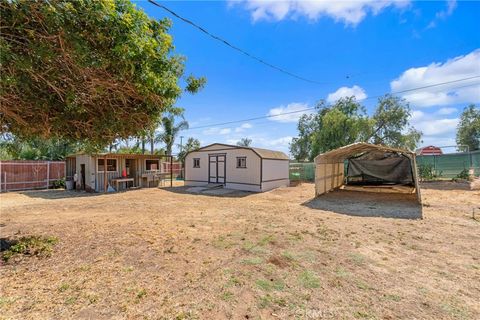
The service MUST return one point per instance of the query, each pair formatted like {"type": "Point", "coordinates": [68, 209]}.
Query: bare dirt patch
{"type": "Point", "coordinates": [165, 253]}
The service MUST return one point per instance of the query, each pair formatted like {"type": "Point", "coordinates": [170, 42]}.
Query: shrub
{"type": "Point", "coordinates": [463, 174]}
{"type": "Point", "coordinates": [428, 172]}
{"type": "Point", "coordinates": [58, 184]}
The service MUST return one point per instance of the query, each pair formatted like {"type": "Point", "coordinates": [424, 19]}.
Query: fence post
{"type": "Point", "coordinates": [48, 173]}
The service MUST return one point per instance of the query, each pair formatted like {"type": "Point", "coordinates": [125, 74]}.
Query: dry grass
{"type": "Point", "coordinates": [155, 254]}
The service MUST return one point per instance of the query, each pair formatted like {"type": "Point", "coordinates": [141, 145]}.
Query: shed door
{"type": "Point", "coordinates": [221, 169]}
{"type": "Point", "coordinates": [217, 169]}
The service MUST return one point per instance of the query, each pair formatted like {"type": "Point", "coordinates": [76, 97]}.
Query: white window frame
{"type": "Point", "coordinates": [105, 165]}
{"type": "Point", "coordinates": [195, 159]}
{"type": "Point", "coordinates": [158, 160]}
{"type": "Point", "coordinates": [244, 162]}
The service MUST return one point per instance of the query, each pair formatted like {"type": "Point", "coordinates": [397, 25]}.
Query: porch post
{"type": "Point", "coordinates": [105, 182]}
{"type": "Point", "coordinates": [171, 171]}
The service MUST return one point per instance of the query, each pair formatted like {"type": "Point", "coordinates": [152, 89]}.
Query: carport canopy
{"type": "Point", "coordinates": [329, 166]}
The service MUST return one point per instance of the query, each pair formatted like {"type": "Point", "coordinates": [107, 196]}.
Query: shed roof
{"type": "Point", "coordinates": [342, 153]}
{"type": "Point", "coordinates": [262, 153]}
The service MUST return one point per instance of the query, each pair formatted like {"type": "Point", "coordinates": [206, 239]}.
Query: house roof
{"type": "Point", "coordinates": [342, 153]}
{"type": "Point", "coordinates": [120, 155]}
{"type": "Point", "coordinates": [262, 153]}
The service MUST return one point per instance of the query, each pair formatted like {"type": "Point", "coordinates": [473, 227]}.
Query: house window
{"type": "Point", "coordinates": [111, 165]}
{"type": "Point", "coordinates": [152, 165]}
{"type": "Point", "coordinates": [241, 162]}
{"type": "Point", "coordinates": [196, 162]}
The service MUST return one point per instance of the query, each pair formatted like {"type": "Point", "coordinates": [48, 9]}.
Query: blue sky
{"type": "Point", "coordinates": [360, 48]}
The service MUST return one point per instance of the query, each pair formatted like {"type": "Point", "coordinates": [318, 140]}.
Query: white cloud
{"type": "Point", "coordinates": [289, 113]}
{"type": "Point", "coordinates": [356, 91]}
{"type": "Point", "coordinates": [443, 14]}
{"type": "Point", "coordinates": [435, 127]}
{"type": "Point", "coordinates": [461, 67]}
{"type": "Point", "coordinates": [215, 130]}
{"type": "Point", "coordinates": [243, 127]}
{"type": "Point", "coordinates": [281, 143]}
{"type": "Point", "coordinates": [348, 12]}
{"type": "Point", "coordinates": [446, 111]}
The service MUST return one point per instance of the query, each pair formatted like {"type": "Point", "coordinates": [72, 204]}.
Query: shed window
{"type": "Point", "coordinates": [151, 165]}
{"type": "Point", "coordinates": [196, 162]}
{"type": "Point", "coordinates": [111, 165]}
{"type": "Point", "coordinates": [241, 162]}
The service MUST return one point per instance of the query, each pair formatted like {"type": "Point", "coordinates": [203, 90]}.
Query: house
{"type": "Point", "coordinates": [371, 168]}
{"type": "Point", "coordinates": [235, 167]}
{"type": "Point", "coordinates": [95, 172]}
{"type": "Point", "coordinates": [429, 151]}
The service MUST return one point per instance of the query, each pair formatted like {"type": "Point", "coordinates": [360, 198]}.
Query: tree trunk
{"type": "Point", "coordinates": [143, 145]}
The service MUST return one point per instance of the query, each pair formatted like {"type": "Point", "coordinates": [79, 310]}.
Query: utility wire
{"type": "Point", "coordinates": [311, 108]}
{"type": "Point", "coordinates": [225, 42]}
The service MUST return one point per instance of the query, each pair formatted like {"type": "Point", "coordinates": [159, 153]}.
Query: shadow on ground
{"type": "Point", "coordinates": [368, 204]}
{"type": "Point", "coordinates": [58, 194]}
{"type": "Point", "coordinates": [221, 193]}
{"type": "Point", "coordinates": [445, 185]}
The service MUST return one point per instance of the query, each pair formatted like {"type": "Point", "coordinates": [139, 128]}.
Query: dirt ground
{"type": "Point", "coordinates": [167, 254]}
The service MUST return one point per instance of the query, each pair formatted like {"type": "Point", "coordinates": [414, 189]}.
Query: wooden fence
{"type": "Point", "coordinates": [27, 175]}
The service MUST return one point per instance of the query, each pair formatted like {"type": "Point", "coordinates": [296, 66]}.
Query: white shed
{"type": "Point", "coordinates": [235, 167]}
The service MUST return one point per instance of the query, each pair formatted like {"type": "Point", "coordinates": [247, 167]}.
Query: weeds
{"type": "Point", "coordinates": [30, 246]}
{"type": "Point", "coordinates": [140, 294]}
{"type": "Point", "coordinates": [63, 287]}
{"type": "Point", "coordinates": [309, 280]}
{"type": "Point", "coordinates": [227, 296]}
{"type": "Point", "coordinates": [357, 258]}
{"type": "Point", "coordinates": [269, 285]}
{"type": "Point", "coordinates": [252, 261]}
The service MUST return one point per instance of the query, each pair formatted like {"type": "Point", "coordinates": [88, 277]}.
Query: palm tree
{"type": "Point", "coordinates": [170, 132]}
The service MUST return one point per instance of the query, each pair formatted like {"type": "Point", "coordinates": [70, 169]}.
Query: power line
{"type": "Point", "coordinates": [312, 108]}
{"type": "Point", "coordinates": [225, 42]}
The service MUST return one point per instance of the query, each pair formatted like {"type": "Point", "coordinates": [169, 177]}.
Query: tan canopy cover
{"type": "Point", "coordinates": [329, 166]}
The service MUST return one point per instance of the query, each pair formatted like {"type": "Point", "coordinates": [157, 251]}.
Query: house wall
{"type": "Point", "coordinates": [89, 170]}
{"type": "Point", "coordinates": [196, 176]}
{"type": "Point", "coordinates": [275, 174]}
{"type": "Point", "coordinates": [95, 180]}
{"type": "Point", "coordinates": [248, 177]}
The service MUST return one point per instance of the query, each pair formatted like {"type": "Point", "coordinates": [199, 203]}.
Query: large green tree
{"type": "Point", "coordinates": [346, 122]}
{"type": "Point", "coordinates": [88, 71]}
{"type": "Point", "coordinates": [468, 129]}
{"type": "Point", "coordinates": [330, 127]}
{"type": "Point", "coordinates": [391, 124]}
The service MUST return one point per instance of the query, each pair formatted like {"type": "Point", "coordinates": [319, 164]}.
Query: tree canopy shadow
{"type": "Point", "coordinates": [54, 194]}
{"type": "Point", "coordinates": [368, 204]}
